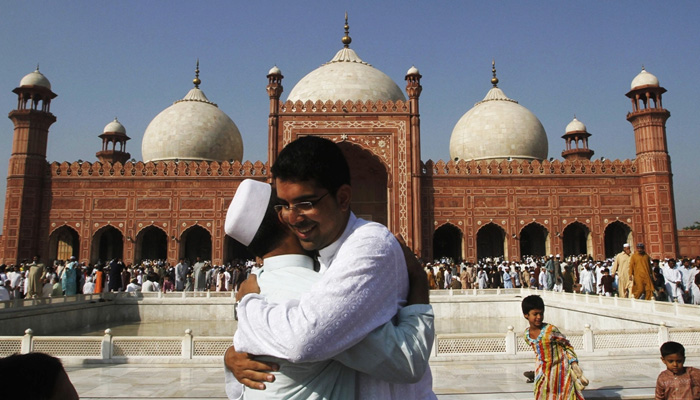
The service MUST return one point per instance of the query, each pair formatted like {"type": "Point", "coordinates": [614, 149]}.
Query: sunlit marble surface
{"type": "Point", "coordinates": [611, 378]}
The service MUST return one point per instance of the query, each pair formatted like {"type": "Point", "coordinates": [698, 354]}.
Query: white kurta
{"type": "Point", "coordinates": [364, 285]}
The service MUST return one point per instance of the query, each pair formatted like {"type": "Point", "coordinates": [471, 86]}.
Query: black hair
{"type": "Point", "coordinates": [669, 348]}
{"type": "Point", "coordinates": [311, 158]}
{"type": "Point", "coordinates": [30, 376]}
{"type": "Point", "coordinates": [270, 232]}
{"type": "Point", "coordinates": [532, 302]}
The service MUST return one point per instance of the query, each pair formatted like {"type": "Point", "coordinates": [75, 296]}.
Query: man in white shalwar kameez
{"type": "Point", "coordinates": [364, 281]}
{"type": "Point", "coordinates": [286, 274]}
{"type": "Point", "coordinates": [587, 279]}
{"type": "Point", "coordinates": [673, 278]}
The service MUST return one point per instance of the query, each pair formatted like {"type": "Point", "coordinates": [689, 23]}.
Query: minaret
{"type": "Point", "coordinates": [576, 137]}
{"type": "Point", "coordinates": [27, 170]}
{"type": "Point", "coordinates": [648, 117]}
{"type": "Point", "coordinates": [113, 143]}
{"type": "Point", "coordinates": [414, 89]}
{"type": "Point", "coordinates": [274, 90]}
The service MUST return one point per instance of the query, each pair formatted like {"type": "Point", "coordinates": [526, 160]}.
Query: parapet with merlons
{"type": "Point", "coordinates": [171, 168]}
{"type": "Point", "coordinates": [348, 106]}
{"type": "Point", "coordinates": [530, 167]}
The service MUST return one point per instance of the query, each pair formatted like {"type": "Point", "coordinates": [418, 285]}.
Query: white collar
{"type": "Point", "coordinates": [286, 260]}
{"type": "Point", "coordinates": [327, 254]}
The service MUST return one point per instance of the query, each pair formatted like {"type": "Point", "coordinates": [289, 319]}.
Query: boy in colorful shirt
{"type": "Point", "coordinates": [558, 376]}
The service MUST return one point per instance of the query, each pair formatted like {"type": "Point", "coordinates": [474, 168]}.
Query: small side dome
{"type": "Point", "coordinates": [274, 71]}
{"type": "Point", "coordinates": [413, 71]}
{"type": "Point", "coordinates": [644, 78]}
{"type": "Point", "coordinates": [114, 127]}
{"type": "Point", "coordinates": [575, 126]}
{"type": "Point", "coordinates": [35, 78]}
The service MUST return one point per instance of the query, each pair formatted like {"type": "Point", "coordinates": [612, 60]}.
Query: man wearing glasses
{"type": "Point", "coordinates": [363, 286]}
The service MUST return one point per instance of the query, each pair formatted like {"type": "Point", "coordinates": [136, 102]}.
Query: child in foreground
{"type": "Point", "coordinates": [677, 382]}
{"type": "Point", "coordinates": [558, 376]}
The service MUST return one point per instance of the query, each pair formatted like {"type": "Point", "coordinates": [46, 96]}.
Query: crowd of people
{"type": "Point", "coordinates": [625, 275]}
{"type": "Point", "coordinates": [65, 278]}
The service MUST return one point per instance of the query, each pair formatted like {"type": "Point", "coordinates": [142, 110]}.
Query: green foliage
{"type": "Point", "coordinates": [694, 227]}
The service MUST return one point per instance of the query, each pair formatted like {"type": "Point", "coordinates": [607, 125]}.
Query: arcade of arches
{"type": "Point", "coordinates": [534, 240]}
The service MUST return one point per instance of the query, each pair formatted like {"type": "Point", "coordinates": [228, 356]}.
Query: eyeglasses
{"type": "Point", "coordinates": [301, 207]}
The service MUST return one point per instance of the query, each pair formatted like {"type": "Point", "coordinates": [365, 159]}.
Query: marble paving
{"type": "Point", "coordinates": [611, 378]}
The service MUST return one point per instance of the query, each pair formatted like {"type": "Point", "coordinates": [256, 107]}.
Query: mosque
{"type": "Point", "coordinates": [500, 193]}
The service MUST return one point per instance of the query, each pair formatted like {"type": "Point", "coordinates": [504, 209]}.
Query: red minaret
{"type": "Point", "coordinates": [414, 89]}
{"type": "Point", "coordinates": [576, 138]}
{"type": "Point", "coordinates": [27, 169]}
{"type": "Point", "coordinates": [648, 117]}
{"type": "Point", "coordinates": [113, 143]}
{"type": "Point", "coordinates": [274, 90]}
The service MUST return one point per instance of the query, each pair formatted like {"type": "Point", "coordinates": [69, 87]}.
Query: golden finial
{"type": "Point", "coordinates": [196, 80]}
{"type": "Point", "coordinates": [346, 39]}
{"type": "Point", "coordinates": [494, 80]}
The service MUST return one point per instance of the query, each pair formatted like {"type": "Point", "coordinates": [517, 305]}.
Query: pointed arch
{"type": "Point", "coordinates": [235, 250]}
{"type": "Point", "coordinates": [64, 242]}
{"type": "Point", "coordinates": [151, 244]}
{"type": "Point", "coordinates": [447, 242]}
{"type": "Point", "coordinates": [370, 182]}
{"type": "Point", "coordinates": [577, 239]}
{"type": "Point", "coordinates": [195, 242]}
{"type": "Point", "coordinates": [107, 244]}
{"type": "Point", "coordinates": [490, 241]}
{"type": "Point", "coordinates": [616, 234]}
{"type": "Point", "coordinates": [534, 240]}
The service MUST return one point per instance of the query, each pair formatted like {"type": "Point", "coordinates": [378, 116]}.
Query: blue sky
{"type": "Point", "coordinates": [132, 59]}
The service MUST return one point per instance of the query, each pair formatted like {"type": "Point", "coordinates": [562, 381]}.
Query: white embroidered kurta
{"type": "Point", "coordinates": [364, 284]}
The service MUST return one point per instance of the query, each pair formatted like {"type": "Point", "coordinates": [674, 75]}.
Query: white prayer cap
{"type": "Point", "coordinates": [626, 245]}
{"type": "Point", "coordinates": [247, 209]}
{"type": "Point", "coordinates": [558, 256]}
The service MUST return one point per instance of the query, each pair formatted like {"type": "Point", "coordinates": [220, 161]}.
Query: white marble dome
{"type": "Point", "coordinates": [498, 128]}
{"type": "Point", "coordinates": [575, 126]}
{"type": "Point", "coordinates": [192, 129]}
{"type": "Point", "coordinates": [644, 79]}
{"type": "Point", "coordinates": [346, 77]}
{"type": "Point", "coordinates": [114, 127]}
{"type": "Point", "coordinates": [35, 78]}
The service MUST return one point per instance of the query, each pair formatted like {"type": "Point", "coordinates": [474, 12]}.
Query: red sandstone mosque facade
{"type": "Point", "coordinates": [499, 194]}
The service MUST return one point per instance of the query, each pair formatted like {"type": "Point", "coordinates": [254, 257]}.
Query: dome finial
{"type": "Point", "coordinates": [346, 39]}
{"type": "Point", "coordinates": [37, 67]}
{"type": "Point", "coordinates": [196, 80]}
{"type": "Point", "coordinates": [494, 80]}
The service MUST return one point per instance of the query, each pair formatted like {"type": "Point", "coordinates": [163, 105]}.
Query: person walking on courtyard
{"type": "Point", "coordinates": [558, 375]}
{"type": "Point", "coordinates": [621, 267]}
{"type": "Point", "coordinates": [640, 274]}
{"type": "Point", "coordinates": [200, 279]}
{"type": "Point", "coordinates": [68, 278]}
{"type": "Point", "coordinates": [36, 273]}
{"type": "Point", "coordinates": [180, 275]}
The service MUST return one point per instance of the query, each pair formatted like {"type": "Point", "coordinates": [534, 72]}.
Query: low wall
{"type": "Point", "coordinates": [72, 313]}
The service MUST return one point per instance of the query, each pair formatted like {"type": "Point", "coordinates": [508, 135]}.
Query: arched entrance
{"type": "Point", "coordinates": [107, 244]}
{"type": "Point", "coordinates": [151, 244]}
{"type": "Point", "coordinates": [447, 242]}
{"type": "Point", "coordinates": [368, 177]}
{"type": "Point", "coordinates": [234, 250]}
{"type": "Point", "coordinates": [533, 240]}
{"type": "Point", "coordinates": [616, 234]}
{"type": "Point", "coordinates": [64, 242]}
{"type": "Point", "coordinates": [195, 242]}
{"type": "Point", "coordinates": [576, 237]}
{"type": "Point", "coordinates": [490, 241]}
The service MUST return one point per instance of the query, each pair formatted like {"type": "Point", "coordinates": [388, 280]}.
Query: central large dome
{"type": "Point", "coordinates": [346, 77]}
{"type": "Point", "coordinates": [498, 128]}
